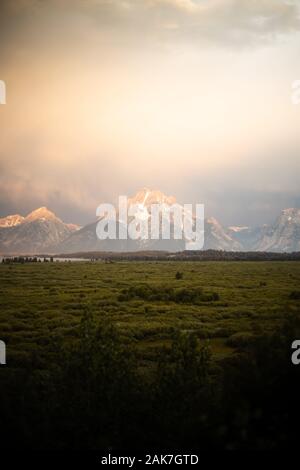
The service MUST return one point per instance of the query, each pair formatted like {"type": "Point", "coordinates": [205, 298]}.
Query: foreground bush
{"type": "Point", "coordinates": [167, 294]}
{"type": "Point", "coordinates": [92, 394]}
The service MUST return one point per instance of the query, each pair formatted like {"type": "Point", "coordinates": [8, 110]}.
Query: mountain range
{"type": "Point", "coordinates": [39, 231]}
{"type": "Point", "coordinates": [42, 231]}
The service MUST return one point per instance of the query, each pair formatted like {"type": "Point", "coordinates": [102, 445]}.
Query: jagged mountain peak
{"type": "Point", "coordinates": [212, 220]}
{"type": "Point", "coordinates": [41, 213]}
{"type": "Point", "coordinates": [11, 220]}
{"type": "Point", "coordinates": [146, 197]}
{"type": "Point", "coordinates": [291, 214]}
{"type": "Point", "coordinates": [284, 234]}
{"type": "Point", "coordinates": [291, 210]}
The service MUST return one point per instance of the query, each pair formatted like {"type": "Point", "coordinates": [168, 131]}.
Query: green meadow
{"type": "Point", "coordinates": [224, 304]}
{"type": "Point", "coordinates": [149, 355]}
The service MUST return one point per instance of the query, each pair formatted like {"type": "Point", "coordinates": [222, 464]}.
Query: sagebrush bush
{"type": "Point", "coordinates": [240, 339]}
{"type": "Point", "coordinates": [295, 295]}
{"type": "Point", "coordinates": [167, 294]}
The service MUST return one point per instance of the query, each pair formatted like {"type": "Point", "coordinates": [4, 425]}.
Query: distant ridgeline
{"type": "Point", "coordinates": [206, 255]}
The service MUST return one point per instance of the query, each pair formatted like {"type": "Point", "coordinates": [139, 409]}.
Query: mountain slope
{"type": "Point", "coordinates": [283, 235]}
{"type": "Point", "coordinates": [41, 230]}
{"type": "Point", "coordinates": [247, 237]}
{"type": "Point", "coordinates": [216, 237]}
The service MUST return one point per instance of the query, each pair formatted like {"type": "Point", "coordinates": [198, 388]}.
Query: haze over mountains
{"type": "Point", "coordinates": [42, 231]}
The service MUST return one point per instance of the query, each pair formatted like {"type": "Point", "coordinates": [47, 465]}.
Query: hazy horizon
{"type": "Point", "coordinates": [105, 97]}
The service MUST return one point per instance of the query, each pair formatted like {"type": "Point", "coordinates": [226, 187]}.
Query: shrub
{"type": "Point", "coordinates": [167, 294]}
{"type": "Point", "coordinates": [240, 340]}
{"type": "Point", "coordinates": [295, 295]}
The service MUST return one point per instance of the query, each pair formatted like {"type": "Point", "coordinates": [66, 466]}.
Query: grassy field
{"type": "Point", "coordinates": [224, 303]}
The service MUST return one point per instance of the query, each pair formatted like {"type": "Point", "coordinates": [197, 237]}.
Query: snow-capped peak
{"type": "Point", "coordinates": [11, 220]}
{"type": "Point", "coordinates": [291, 215]}
{"type": "Point", "coordinates": [238, 228]}
{"type": "Point", "coordinates": [42, 213]}
{"type": "Point", "coordinates": [146, 197]}
{"type": "Point", "coordinates": [291, 211]}
{"type": "Point", "coordinates": [212, 221]}
{"type": "Point", "coordinates": [284, 234]}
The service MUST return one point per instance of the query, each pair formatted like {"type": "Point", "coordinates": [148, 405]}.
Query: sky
{"type": "Point", "coordinates": [192, 97]}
